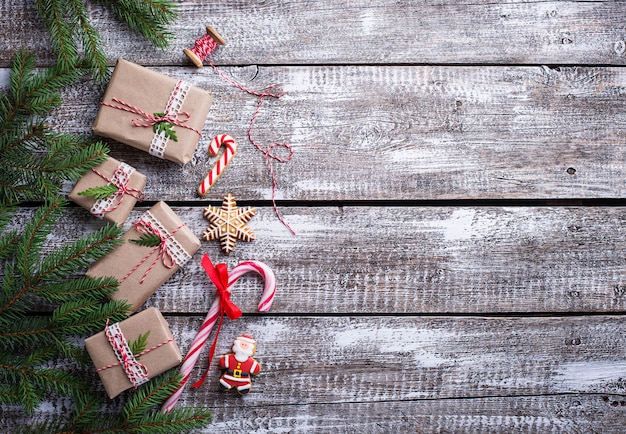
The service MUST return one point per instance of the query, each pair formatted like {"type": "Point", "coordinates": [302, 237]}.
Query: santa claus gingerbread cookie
{"type": "Point", "coordinates": [239, 365]}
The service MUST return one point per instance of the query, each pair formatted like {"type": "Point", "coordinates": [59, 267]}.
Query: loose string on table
{"type": "Point", "coordinates": [203, 47]}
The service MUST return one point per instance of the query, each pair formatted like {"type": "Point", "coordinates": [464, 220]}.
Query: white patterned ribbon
{"type": "Point", "coordinates": [136, 371]}
{"type": "Point", "coordinates": [173, 107]}
{"type": "Point", "coordinates": [121, 177]}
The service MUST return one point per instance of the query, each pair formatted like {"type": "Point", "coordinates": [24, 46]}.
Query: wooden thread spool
{"type": "Point", "coordinates": [204, 46]}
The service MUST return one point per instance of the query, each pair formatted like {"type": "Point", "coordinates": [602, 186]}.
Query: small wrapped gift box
{"type": "Point", "coordinates": [153, 249]}
{"type": "Point", "coordinates": [123, 182]}
{"type": "Point", "coordinates": [152, 112]}
{"type": "Point", "coordinates": [112, 352]}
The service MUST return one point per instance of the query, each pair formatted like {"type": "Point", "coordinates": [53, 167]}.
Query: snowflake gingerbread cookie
{"type": "Point", "coordinates": [228, 223]}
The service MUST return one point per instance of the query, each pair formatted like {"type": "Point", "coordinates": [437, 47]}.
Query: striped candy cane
{"type": "Point", "coordinates": [220, 165]}
{"type": "Point", "coordinates": [216, 312]}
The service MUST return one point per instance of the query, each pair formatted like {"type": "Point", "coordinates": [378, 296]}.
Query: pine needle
{"type": "Point", "coordinates": [36, 348]}
{"type": "Point", "coordinates": [100, 191]}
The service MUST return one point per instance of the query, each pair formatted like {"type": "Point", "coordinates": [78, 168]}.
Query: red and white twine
{"type": "Point", "coordinates": [136, 372]}
{"type": "Point", "coordinates": [203, 47]}
{"type": "Point", "coordinates": [120, 179]}
{"type": "Point", "coordinates": [164, 248]}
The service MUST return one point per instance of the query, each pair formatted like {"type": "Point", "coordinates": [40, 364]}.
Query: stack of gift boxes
{"type": "Point", "coordinates": [162, 116]}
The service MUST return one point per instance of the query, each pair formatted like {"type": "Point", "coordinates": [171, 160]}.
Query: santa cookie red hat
{"type": "Point", "coordinates": [246, 338]}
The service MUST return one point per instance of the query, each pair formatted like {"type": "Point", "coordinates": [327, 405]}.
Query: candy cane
{"type": "Point", "coordinates": [220, 165]}
{"type": "Point", "coordinates": [214, 314]}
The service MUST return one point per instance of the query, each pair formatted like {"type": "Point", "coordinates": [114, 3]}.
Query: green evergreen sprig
{"type": "Point", "coordinates": [140, 414]}
{"type": "Point", "coordinates": [147, 239]}
{"type": "Point", "coordinates": [100, 191]}
{"type": "Point", "coordinates": [167, 128]}
{"type": "Point", "coordinates": [149, 18]}
{"type": "Point", "coordinates": [47, 305]}
{"type": "Point", "coordinates": [139, 344]}
{"type": "Point", "coordinates": [70, 28]}
{"type": "Point", "coordinates": [35, 160]}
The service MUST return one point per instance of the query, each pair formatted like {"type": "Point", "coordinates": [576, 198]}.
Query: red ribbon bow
{"type": "Point", "coordinates": [219, 276]}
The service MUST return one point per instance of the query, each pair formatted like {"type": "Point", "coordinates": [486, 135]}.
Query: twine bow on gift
{"type": "Point", "coordinates": [120, 179]}
{"type": "Point", "coordinates": [136, 371]}
{"type": "Point", "coordinates": [150, 120]}
{"type": "Point", "coordinates": [161, 245]}
{"type": "Point", "coordinates": [219, 276]}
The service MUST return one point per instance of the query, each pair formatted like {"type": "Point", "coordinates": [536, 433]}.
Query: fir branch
{"type": "Point", "coordinates": [150, 396]}
{"type": "Point", "coordinates": [100, 191]}
{"type": "Point", "coordinates": [147, 239]}
{"type": "Point", "coordinates": [70, 156]}
{"type": "Point", "coordinates": [8, 395]}
{"type": "Point", "coordinates": [35, 160]}
{"type": "Point", "coordinates": [31, 383]}
{"type": "Point", "coordinates": [22, 67]}
{"type": "Point", "coordinates": [76, 255]}
{"type": "Point", "coordinates": [71, 30]}
{"type": "Point", "coordinates": [138, 345]}
{"type": "Point", "coordinates": [149, 18]}
{"type": "Point", "coordinates": [53, 14]}
{"type": "Point", "coordinates": [137, 416]}
{"type": "Point", "coordinates": [83, 317]}
{"type": "Point", "coordinates": [88, 288]}
{"type": "Point", "coordinates": [8, 239]}
{"type": "Point", "coordinates": [95, 59]}
{"type": "Point", "coordinates": [32, 239]}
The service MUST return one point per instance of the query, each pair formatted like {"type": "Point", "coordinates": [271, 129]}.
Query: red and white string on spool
{"type": "Point", "coordinates": [230, 149]}
{"type": "Point", "coordinates": [203, 47]}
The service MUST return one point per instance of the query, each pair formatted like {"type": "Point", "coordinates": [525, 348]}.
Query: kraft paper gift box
{"type": "Point", "coordinates": [117, 207]}
{"type": "Point", "coordinates": [137, 97]}
{"type": "Point", "coordinates": [141, 269]}
{"type": "Point", "coordinates": [160, 353]}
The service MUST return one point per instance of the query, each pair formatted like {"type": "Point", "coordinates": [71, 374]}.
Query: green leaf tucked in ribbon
{"type": "Point", "coordinates": [140, 344]}
{"type": "Point", "coordinates": [165, 127]}
{"type": "Point", "coordinates": [100, 192]}
{"type": "Point", "coordinates": [148, 239]}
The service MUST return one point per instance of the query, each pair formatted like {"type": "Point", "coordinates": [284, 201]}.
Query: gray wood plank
{"type": "Point", "coordinates": [442, 374]}
{"type": "Point", "coordinates": [399, 133]}
{"type": "Point", "coordinates": [409, 260]}
{"type": "Point", "coordinates": [575, 413]}
{"type": "Point", "coordinates": [301, 32]}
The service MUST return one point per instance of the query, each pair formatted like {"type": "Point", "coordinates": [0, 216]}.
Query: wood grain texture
{"type": "Point", "coordinates": [441, 374]}
{"type": "Point", "coordinates": [409, 260]}
{"type": "Point", "coordinates": [418, 295]}
{"type": "Point", "coordinates": [363, 31]}
{"type": "Point", "coordinates": [398, 133]}
{"type": "Point", "coordinates": [570, 413]}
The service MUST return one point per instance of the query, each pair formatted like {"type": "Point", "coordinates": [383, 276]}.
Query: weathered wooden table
{"type": "Point", "coordinates": [457, 190]}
